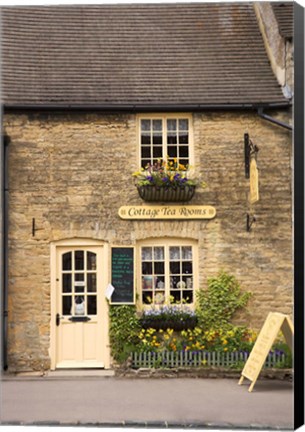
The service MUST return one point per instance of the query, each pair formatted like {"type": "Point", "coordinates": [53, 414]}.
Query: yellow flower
{"type": "Point", "coordinates": [137, 173]}
{"type": "Point", "coordinates": [224, 342]}
{"type": "Point", "coordinates": [225, 349]}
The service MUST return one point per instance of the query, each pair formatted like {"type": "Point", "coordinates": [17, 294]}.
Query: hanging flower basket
{"type": "Point", "coordinates": [166, 194]}
{"type": "Point", "coordinates": [166, 182]}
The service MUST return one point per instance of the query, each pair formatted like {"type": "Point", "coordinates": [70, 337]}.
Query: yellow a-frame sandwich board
{"type": "Point", "coordinates": [274, 323]}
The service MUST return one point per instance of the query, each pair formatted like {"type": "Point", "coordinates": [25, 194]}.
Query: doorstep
{"type": "Point", "coordinates": [60, 374]}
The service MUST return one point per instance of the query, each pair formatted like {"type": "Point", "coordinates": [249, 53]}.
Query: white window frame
{"type": "Point", "coordinates": [167, 243]}
{"type": "Point", "coordinates": [164, 117]}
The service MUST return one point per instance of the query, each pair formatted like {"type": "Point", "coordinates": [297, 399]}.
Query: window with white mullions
{"type": "Point", "coordinates": [167, 274]}
{"type": "Point", "coordinates": [165, 137]}
{"type": "Point", "coordinates": [178, 140]}
{"type": "Point", "coordinates": [79, 283]}
{"type": "Point", "coordinates": [181, 274]}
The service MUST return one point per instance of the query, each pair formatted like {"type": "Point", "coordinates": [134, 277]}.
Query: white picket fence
{"type": "Point", "coordinates": [174, 359]}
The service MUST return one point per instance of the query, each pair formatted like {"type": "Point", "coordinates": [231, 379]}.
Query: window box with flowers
{"type": "Point", "coordinates": [176, 317]}
{"type": "Point", "coordinates": [165, 181]}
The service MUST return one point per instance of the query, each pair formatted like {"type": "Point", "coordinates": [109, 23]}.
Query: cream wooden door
{"type": "Point", "coordinates": [81, 310]}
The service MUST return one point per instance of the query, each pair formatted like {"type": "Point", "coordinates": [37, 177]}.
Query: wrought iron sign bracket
{"type": "Point", "coordinates": [250, 220]}
{"type": "Point", "coordinates": [251, 150]}
{"type": "Point", "coordinates": [34, 229]}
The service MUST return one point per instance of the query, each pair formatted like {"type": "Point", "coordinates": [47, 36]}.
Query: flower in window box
{"type": "Point", "coordinates": [165, 181]}
{"type": "Point", "coordinates": [176, 317]}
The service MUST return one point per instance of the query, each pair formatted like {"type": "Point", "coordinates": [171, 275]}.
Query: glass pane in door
{"type": "Point", "coordinates": [79, 283]}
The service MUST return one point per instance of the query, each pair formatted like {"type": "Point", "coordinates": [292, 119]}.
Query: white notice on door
{"type": "Point", "coordinates": [109, 291]}
{"type": "Point", "coordinates": [79, 283]}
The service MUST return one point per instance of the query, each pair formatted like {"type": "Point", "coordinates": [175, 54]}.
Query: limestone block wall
{"type": "Point", "coordinates": [72, 171]}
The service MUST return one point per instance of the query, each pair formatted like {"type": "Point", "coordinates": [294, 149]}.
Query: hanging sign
{"type": "Point", "coordinates": [167, 212]}
{"type": "Point", "coordinates": [274, 323]}
{"type": "Point", "coordinates": [254, 193]}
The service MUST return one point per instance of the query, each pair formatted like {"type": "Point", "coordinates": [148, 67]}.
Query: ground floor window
{"type": "Point", "coordinates": [167, 273]}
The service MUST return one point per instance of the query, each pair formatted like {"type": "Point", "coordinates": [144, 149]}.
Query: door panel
{"type": "Point", "coordinates": [81, 308]}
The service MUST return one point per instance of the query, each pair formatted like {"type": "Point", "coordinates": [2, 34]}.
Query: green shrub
{"type": "Point", "coordinates": [123, 332]}
{"type": "Point", "coordinates": [216, 305]}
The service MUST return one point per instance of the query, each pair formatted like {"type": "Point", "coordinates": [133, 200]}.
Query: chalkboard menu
{"type": "Point", "coordinates": [122, 271]}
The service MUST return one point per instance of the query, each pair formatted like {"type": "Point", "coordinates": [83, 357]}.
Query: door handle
{"type": "Point", "coordinates": [57, 319]}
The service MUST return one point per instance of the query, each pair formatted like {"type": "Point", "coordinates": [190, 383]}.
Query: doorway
{"type": "Point", "coordinates": [80, 312]}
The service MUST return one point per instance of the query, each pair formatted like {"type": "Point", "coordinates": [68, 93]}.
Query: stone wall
{"type": "Point", "coordinates": [72, 172]}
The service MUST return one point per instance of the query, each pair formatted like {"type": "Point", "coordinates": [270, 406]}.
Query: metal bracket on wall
{"type": "Point", "coordinates": [34, 229]}
{"type": "Point", "coordinates": [251, 150]}
{"type": "Point", "coordinates": [250, 220]}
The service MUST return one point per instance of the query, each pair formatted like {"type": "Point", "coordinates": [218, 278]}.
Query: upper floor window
{"type": "Point", "coordinates": [165, 137]}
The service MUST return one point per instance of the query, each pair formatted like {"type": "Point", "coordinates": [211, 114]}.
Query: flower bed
{"type": "Point", "coordinates": [154, 338]}
{"type": "Point", "coordinates": [196, 339]}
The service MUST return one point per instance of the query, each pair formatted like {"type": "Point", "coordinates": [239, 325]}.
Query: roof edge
{"type": "Point", "coordinates": [145, 107]}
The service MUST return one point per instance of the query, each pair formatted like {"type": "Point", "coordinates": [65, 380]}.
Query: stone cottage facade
{"type": "Point", "coordinates": [108, 89]}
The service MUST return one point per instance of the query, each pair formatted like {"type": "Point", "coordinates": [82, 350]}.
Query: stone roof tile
{"type": "Point", "coordinates": [283, 12]}
{"type": "Point", "coordinates": [149, 54]}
